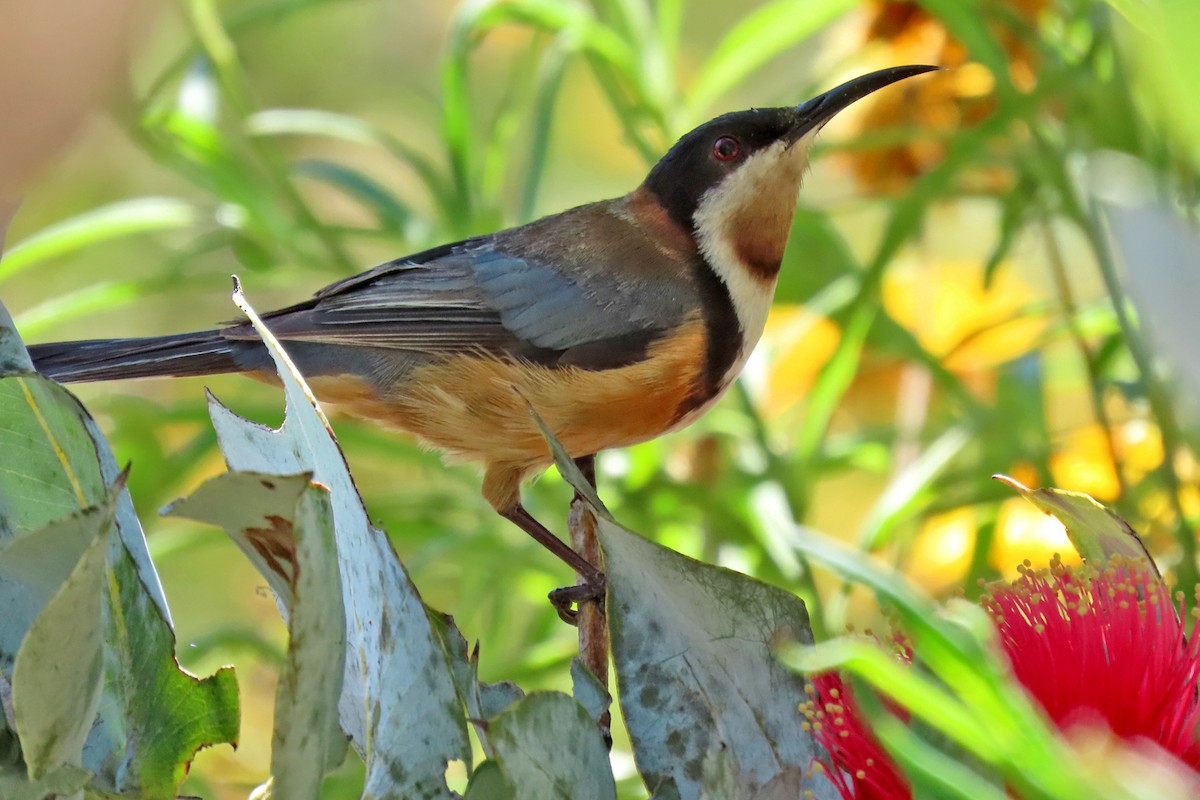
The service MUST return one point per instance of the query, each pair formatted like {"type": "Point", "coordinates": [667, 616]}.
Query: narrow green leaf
{"type": "Point", "coordinates": [391, 213]}
{"type": "Point", "coordinates": [910, 487]}
{"type": "Point", "coordinates": [921, 694]}
{"type": "Point", "coordinates": [122, 218]}
{"type": "Point", "coordinates": [100, 296]}
{"type": "Point", "coordinates": [314, 122]}
{"type": "Point", "coordinates": [758, 37]}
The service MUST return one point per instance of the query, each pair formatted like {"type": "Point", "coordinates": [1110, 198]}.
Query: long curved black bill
{"type": "Point", "coordinates": [816, 112]}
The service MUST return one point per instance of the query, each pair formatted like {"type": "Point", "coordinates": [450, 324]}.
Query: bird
{"type": "Point", "coordinates": [617, 321]}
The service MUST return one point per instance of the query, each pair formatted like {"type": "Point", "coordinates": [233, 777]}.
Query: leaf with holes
{"type": "Point", "coordinates": [284, 524]}
{"type": "Point", "coordinates": [397, 675]}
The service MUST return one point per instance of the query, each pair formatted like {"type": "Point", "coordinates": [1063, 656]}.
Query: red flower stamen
{"type": "Point", "coordinates": [858, 766]}
{"type": "Point", "coordinates": [1104, 643]}
{"type": "Point", "coordinates": [1087, 644]}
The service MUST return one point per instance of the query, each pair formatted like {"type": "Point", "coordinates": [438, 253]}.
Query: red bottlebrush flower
{"type": "Point", "coordinates": [1103, 643]}
{"type": "Point", "coordinates": [1087, 644]}
{"type": "Point", "coordinates": [858, 767]}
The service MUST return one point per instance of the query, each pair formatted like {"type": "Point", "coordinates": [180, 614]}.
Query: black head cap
{"type": "Point", "coordinates": [702, 158]}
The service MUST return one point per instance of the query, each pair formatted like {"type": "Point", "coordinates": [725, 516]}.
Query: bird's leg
{"type": "Point", "coordinates": [583, 535]}
{"type": "Point", "coordinates": [525, 521]}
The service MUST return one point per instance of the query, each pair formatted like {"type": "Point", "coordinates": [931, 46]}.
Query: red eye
{"type": "Point", "coordinates": [726, 148]}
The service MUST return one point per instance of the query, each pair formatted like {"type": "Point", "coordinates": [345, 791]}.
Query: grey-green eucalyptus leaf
{"type": "Point", "coordinates": [550, 748]}
{"type": "Point", "coordinates": [284, 524]}
{"type": "Point", "coordinates": [692, 646]}
{"type": "Point", "coordinates": [587, 689]}
{"type": "Point", "coordinates": [399, 704]}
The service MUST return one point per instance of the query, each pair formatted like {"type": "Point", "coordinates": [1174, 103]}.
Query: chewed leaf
{"type": "Point", "coordinates": [397, 676]}
{"type": "Point", "coordinates": [284, 524]}
{"type": "Point", "coordinates": [1096, 532]}
{"type": "Point", "coordinates": [153, 715]}
{"type": "Point", "coordinates": [257, 510]}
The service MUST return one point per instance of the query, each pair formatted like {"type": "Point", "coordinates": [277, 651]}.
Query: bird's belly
{"type": "Point", "coordinates": [477, 407]}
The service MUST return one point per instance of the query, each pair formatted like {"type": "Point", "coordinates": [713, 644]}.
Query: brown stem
{"type": "Point", "coordinates": [594, 643]}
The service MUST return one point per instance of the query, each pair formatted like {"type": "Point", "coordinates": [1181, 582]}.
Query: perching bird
{"type": "Point", "coordinates": [618, 321]}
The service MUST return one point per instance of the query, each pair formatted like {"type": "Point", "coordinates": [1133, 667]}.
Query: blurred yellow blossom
{"type": "Point", "coordinates": [1082, 462]}
{"type": "Point", "coordinates": [950, 312]}
{"type": "Point", "coordinates": [941, 552]}
{"type": "Point", "coordinates": [945, 102]}
{"type": "Point", "coordinates": [799, 342]}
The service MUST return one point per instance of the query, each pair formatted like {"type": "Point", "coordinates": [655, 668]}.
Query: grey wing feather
{"type": "Point", "coordinates": [544, 292]}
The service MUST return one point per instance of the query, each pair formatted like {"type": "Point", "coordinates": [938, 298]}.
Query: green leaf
{"type": "Point", "coordinates": [910, 487]}
{"type": "Point", "coordinates": [314, 122]}
{"type": "Point", "coordinates": [961, 687]}
{"type": "Point", "coordinates": [100, 296]}
{"type": "Point", "coordinates": [397, 676]}
{"type": "Point", "coordinates": [550, 748]}
{"type": "Point", "coordinates": [59, 670]}
{"type": "Point", "coordinates": [153, 716]}
{"type": "Point", "coordinates": [390, 212]}
{"type": "Point", "coordinates": [63, 782]}
{"type": "Point", "coordinates": [123, 218]}
{"type": "Point", "coordinates": [758, 37]}
{"type": "Point", "coordinates": [50, 460]}
{"type": "Point", "coordinates": [168, 713]}
{"type": "Point", "coordinates": [1096, 532]}
{"type": "Point", "coordinates": [284, 525]}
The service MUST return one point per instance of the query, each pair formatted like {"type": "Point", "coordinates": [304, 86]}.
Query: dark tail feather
{"type": "Point", "coordinates": [203, 353]}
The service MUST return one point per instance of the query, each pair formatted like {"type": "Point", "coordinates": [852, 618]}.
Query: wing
{"type": "Point", "coordinates": [547, 292]}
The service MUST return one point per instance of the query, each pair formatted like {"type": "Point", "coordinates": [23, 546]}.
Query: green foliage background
{"type": "Point", "coordinates": [297, 141]}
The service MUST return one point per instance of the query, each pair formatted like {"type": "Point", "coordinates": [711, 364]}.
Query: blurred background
{"type": "Point", "coordinates": [953, 303]}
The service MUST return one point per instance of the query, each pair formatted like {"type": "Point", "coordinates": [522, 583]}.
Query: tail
{"type": "Point", "coordinates": [203, 353]}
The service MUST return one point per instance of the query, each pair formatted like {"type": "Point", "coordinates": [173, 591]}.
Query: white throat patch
{"type": "Point", "coordinates": [762, 192]}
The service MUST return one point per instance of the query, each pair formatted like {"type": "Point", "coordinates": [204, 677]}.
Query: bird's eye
{"type": "Point", "coordinates": [726, 148]}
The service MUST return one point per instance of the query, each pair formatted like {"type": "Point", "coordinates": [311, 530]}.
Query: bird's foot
{"type": "Point", "coordinates": [568, 599]}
